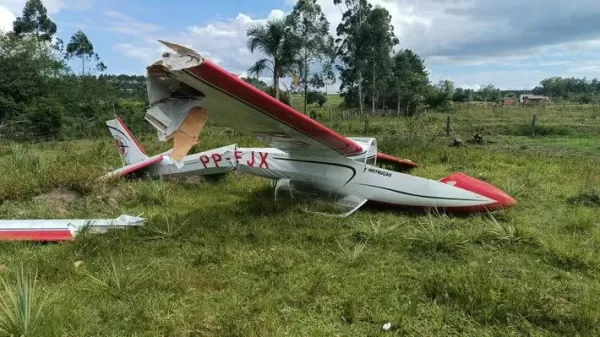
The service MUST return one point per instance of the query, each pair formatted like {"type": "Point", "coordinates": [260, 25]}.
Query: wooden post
{"type": "Point", "coordinates": [533, 124]}
{"type": "Point", "coordinates": [366, 126]}
{"type": "Point", "coordinates": [448, 126]}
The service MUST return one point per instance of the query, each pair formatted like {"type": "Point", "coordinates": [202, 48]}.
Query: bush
{"type": "Point", "coordinates": [316, 97]}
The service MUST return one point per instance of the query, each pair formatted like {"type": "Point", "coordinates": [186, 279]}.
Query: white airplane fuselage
{"type": "Point", "coordinates": [351, 177]}
{"type": "Point", "coordinates": [193, 164]}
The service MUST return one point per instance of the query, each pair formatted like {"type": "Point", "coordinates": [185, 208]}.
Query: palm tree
{"type": "Point", "coordinates": [276, 41]}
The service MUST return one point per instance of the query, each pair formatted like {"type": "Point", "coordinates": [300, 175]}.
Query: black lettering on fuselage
{"type": "Point", "coordinates": [381, 173]}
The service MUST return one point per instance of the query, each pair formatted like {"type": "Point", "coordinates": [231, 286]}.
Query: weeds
{"type": "Point", "coordinates": [171, 228]}
{"type": "Point", "coordinates": [21, 307]}
{"type": "Point", "coordinates": [23, 159]}
{"type": "Point", "coordinates": [431, 237]}
{"type": "Point", "coordinates": [154, 192]}
{"type": "Point", "coordinates": [373, 230]}
{"type": "Point", "coordinates": [118, 280]}
{"type": "Point", "coordinates": [354, 253]}
{"type": "Point", "coordinates": [505, 232]}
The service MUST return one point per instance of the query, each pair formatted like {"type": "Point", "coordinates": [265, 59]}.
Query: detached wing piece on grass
{"type": "Point", "coordinates": [184, 89]}
{"type": "Point", "coordinates": [61, 229]}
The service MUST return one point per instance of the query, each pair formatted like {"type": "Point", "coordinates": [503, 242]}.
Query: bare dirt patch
{"type": "Point", "coordinates": [59, 199]}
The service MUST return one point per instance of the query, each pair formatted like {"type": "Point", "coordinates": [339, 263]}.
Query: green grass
{"type": "Point", "coordinates": [219, 258]}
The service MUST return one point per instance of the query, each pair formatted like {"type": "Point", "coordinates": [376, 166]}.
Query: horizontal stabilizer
{"type": "Point", "coordinates": [133, 168]}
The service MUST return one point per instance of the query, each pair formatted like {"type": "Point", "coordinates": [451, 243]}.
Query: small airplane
{"type": "Point", "coordinates": [308, 161]}
{"type": "Point", "coordinates": [140, 164]}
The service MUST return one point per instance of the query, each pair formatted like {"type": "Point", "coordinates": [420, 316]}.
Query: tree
{"type": "Point", "coordinates": [351, 48]}
{"type": "Point", "coordinates": [276, 41]}
{"type": "Point", "coordinates": [35, 20]}
{"type": "Point", "coordinates": [441, 94]}
{"type": "Point", "coordinates": [310, 27]}
{"type": "Point", "coordinates": [81, 47]}
{"type": "Point", "coordinates": [410, 78]}
{"type": "Point", "coordinates": [378, 38]}
{"type": "Point", "coordinates": [256, 83]}
{"type": "Point", "coordinates": [316, 97]}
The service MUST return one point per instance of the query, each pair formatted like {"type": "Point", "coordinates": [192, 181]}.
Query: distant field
{"type": "Point", "coordinates": [220, 258]}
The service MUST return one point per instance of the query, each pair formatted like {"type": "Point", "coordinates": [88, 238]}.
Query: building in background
{"type": "Point", "coordinates": [533, 99]}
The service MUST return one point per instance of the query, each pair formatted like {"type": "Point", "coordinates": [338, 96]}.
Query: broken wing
{"type": "Point", "coordinates": [185, 80]}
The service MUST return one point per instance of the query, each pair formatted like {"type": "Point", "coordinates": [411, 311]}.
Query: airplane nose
{"type": "Point", "coordinates": [501, 198]}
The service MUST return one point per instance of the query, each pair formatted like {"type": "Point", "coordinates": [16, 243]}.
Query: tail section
{"type": "Point", "coordinates": [128, 146]}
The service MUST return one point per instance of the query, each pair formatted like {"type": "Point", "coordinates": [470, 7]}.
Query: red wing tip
{"type": "Point", "coordinates": [501, 198]}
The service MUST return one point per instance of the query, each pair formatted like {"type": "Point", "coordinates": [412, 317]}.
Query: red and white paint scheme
{"type": "Point", "coordinates": [61, 229]}
{"type": "Point", "coordinates": [139, 163]}
{"type": "Point", "coordinates": [305, 158]}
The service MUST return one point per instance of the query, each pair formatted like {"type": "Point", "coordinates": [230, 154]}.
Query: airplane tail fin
{"type": "Point", "coordinates": [127, 144]}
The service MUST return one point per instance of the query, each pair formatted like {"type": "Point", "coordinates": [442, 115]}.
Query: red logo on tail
{"type": "Point", "coordinates": [121, 145]}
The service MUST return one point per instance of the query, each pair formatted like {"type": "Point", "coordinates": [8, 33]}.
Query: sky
{"type": "Point", "coordinates": [512, 44]}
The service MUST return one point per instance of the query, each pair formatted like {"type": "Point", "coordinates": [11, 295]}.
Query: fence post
{"type": "Point", "coordinates": [533, 121]}
{"type": "Point", "coordinates": [448, 126]}
{"type": "Point", "coordinates": [366, 126]}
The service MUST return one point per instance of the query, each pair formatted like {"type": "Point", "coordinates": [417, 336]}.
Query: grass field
{"type": "Point", "coordinates": [219, 258]}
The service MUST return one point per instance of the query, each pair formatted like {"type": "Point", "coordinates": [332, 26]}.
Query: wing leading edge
{"type": "Point", "coordinates": [186, 80]}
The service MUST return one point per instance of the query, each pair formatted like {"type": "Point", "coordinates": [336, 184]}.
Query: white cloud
{"type": "Point", "coordinates": [6, 19]}
{"type": "Point", "coordinates": [121, 23]}
{"type": "Point", "coordinates": [144, 54]}
{"type": "Point", "coordinates": [10, 9]}
{"type": "Point", "coordinates": [469, 29]}
{"type": "Point", "coordinates": [53, 6]}
{"type": "Point", "coordinates": [223, 42]}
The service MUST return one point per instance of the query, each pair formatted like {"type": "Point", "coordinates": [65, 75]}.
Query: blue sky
{"type": "Point", "coordinates": [510, 43]}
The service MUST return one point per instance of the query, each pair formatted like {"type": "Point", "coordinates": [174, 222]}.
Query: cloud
{"type": "Point", "coordinates": [6, 19]}
{"type": "Point", "coordinates": [144, 54]}
{"type": "Point", "coordinates": [53, 6]}
{"type": "Point", "coordinates": [470, 29]}
{"type": "Point", "coordinates": [123, 24]}
{"type": "Point", "coordinates": [223, 42]}
{"type": "Point", "coordinates": [10, 9]}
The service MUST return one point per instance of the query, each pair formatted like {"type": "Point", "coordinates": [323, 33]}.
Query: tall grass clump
{"type": "Point", "coordinates": [118, 280]}
{"type": "Point", "coordinates": [154, 192]}
{"type": "Point", "coordinates": [21, 308]}
{"type": "Point", "coordinates": [432, 237]}
{"type": "Point", "coordinates": [23, 159]}
{"type": "Point", "coordinates": [22, 170]}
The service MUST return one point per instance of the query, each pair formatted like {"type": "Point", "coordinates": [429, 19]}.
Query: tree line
{"type": "Point", "coordinates": [52, 89]}
{"type": "Point", "coordinates": [374, 72]}
{"type": "Point", "coordinates": [43, 97]}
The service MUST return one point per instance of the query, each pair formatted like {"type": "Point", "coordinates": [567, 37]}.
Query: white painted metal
{"type": "Point", "coordinates": [295, 157]}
